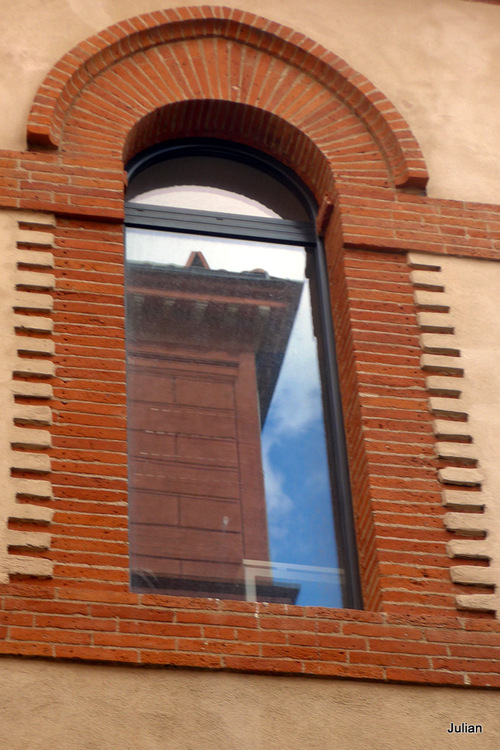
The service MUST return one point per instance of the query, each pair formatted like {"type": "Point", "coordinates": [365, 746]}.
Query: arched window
{"type": "Point", "coordinates": [238, 483]}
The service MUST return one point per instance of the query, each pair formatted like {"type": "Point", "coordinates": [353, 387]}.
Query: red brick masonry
{"type": "Point", "coordinates": [98, 107]}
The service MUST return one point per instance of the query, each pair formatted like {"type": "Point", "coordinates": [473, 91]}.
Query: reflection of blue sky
{"type": "Point", "coordinates": [298, 497]}
{"type": "Point", "coordinates": [296, 467]}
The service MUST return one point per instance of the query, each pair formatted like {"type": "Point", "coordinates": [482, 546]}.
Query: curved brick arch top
{"type": "Point", "coordinates": [97, 93]}
{"type": "Point", "coordinates": [240, 123]}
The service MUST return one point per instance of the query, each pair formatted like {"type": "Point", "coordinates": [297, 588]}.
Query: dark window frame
{"type": "Point", "coordinates": [273, 231]}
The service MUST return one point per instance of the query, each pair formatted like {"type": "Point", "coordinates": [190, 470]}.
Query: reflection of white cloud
{"type": "Point", "coordinates": [282, 261]}
{"type": "Point", "coordinates": [296, 401]}
{"type": "Point", "coordinates": [295, 408]}
{"type": "Point", "coordinates": [296, 405]}
{"type": "Point", "coordinates": [279, 505]}
{"type": "Point", "coordinates": [210, 198]}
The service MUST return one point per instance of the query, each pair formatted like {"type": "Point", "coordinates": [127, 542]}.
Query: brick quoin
{"type": "Point", "coordinates": [106, 101]}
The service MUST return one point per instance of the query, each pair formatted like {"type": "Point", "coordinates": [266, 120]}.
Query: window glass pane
{"type": "Point", "coordinates": [213, 183]}
{"type": "Point", "coordinates": [229, 481]}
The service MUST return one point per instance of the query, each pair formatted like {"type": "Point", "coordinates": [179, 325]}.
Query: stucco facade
{"type": "Point", "coordinates": [415, 266]}
{"type": "Point", "coordinates": [185, 709]}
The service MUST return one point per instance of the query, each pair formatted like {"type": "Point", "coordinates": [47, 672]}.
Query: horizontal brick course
{"type": "Point", "coordinates": [425, 649]}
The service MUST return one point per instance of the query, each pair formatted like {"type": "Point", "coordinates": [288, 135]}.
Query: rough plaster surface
{"type": "Point", "coordinates": [8, 231]}
{"type": "Point", "coordinates": [12, 436]}
{"type": "Point", "coordinates": [472, 286]}
{"type": "Point", "coordinates": [438, 61]}
{"type": "Point", "coordinates": [51, 706]}
{"type": "Point", "coordinates": [466, 292]}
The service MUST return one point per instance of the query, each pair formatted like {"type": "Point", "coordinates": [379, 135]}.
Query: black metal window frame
{"type": "Point", "coordinates": [274, 231]}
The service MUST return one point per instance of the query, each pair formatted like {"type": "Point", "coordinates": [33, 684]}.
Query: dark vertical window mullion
{"type": "Point", "coordinates": [335, 421]}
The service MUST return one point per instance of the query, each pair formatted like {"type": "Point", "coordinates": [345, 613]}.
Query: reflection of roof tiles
{"type": "Point", "coordinates": [196, 269]}
{"type": "Point", "coordinates": [198, 261]}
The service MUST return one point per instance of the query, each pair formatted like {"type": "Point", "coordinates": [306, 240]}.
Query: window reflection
{"type": "Point", "coordinates": [211, 183]}
{"type": "Point", "coordinates": [228, 471]}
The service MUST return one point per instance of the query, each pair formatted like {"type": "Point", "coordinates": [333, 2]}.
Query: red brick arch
{"type": "Point", "coordinates": [217, 72]}
{"type": "Point", "coordinates": [227, 73]}
{"type": "Point", "coordinates": [236, 122]}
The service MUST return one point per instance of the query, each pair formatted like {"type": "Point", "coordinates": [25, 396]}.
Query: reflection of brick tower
{"type": "Point", "coordinates": [204, 352]}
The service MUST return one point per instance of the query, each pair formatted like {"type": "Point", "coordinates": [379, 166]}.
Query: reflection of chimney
{"type": "Point", "coordinates": [197, 260]}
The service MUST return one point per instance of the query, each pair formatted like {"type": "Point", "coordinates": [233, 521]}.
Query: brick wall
{"type": "Point", "coordinates": [412, 630]}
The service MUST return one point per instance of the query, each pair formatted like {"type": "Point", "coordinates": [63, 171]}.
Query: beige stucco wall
{"type": "Point", "coordinates": [8, 231]}
{"type": "Point", "coordinates": [473, 291]}
{"type": "Point", "coordinates": [437, 60]}
{"type": "Point", "coordinates": [54, 706]}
